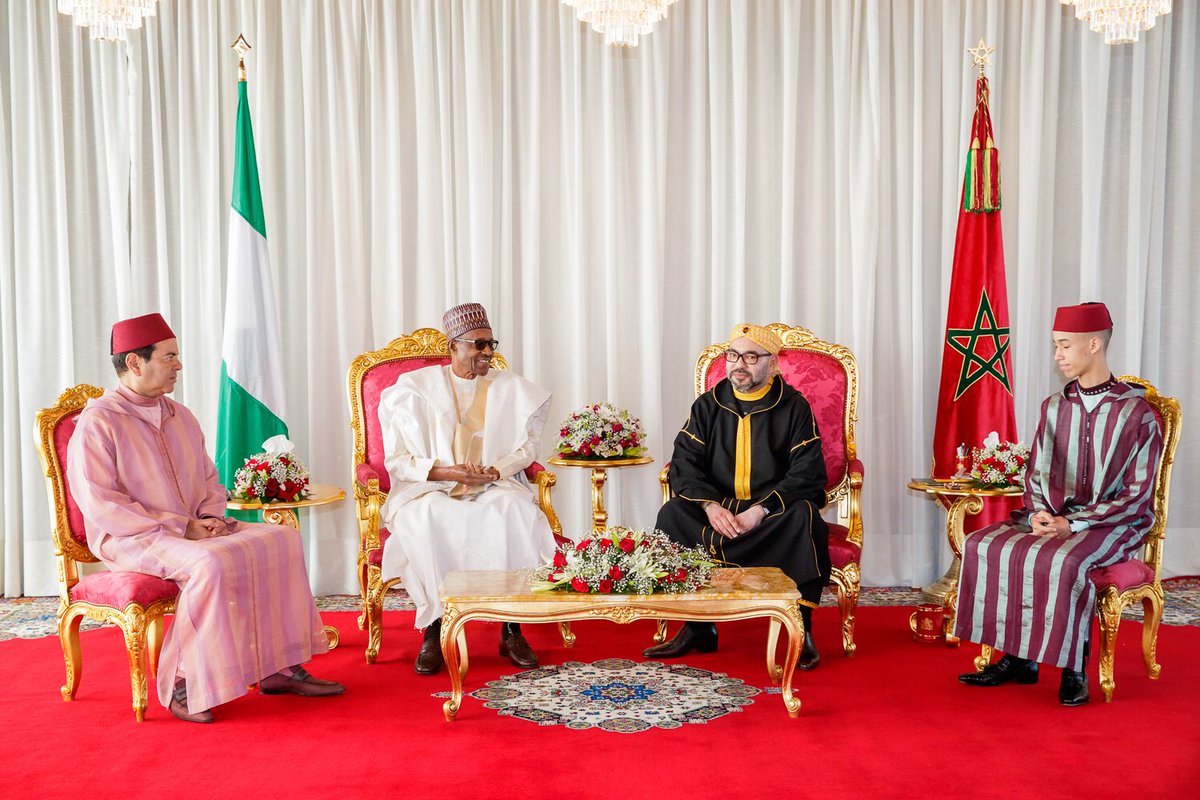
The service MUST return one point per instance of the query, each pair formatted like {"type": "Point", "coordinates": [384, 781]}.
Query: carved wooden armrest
{"type": "Point", "coordinates": [368, 499]}
{"type": "Point", "coordinates": [545, 481]}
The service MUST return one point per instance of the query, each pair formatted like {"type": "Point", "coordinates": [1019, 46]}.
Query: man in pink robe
{"type": "Point", "coordinates": [152, 502]}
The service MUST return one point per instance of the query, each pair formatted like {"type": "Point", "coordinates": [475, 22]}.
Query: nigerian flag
{"type": "Point", "coordinates": [251, 407]}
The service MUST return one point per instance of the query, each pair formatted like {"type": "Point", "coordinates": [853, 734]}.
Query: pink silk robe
{"type": "Point", "coordinates": [139, 471]}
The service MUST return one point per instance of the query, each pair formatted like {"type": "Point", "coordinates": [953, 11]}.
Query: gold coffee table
{"type": "Point", "coordinates": [734, 594]}
{"type": "Point", "coordinates": [963, 498]}
{"type": "Point", "coordinates": [599, 467]}
{"type": "Point", "coordinates": [278, 513]}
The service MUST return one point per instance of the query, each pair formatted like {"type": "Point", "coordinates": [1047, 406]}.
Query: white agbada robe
{"type": "Point", "coordinates": [433, 534]}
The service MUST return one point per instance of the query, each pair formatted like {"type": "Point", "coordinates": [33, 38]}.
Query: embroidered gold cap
{"type": "Point", "coordinates": [463, 318]}
{"type": "Point", "coordinates": [765, 337]}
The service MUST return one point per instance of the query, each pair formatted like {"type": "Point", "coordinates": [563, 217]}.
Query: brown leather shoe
{"type": "Point", "coordinates": [179, 709]}
{"type": "Point", "coordinates": [514, 647]}
{"type": "Point", "coordinates": [429, 660]}
{"type": "Point", "coordinates": [809, 657]}
{"type": "Point", "coordinates": [698, 636]}
{"type": "Point", "coordinates": [299, 682]}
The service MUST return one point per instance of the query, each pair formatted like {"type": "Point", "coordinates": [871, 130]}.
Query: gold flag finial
{"type": "Point", "coordinates": [242, 47]}
{"type": "Point", "coordinates": [981, 54]}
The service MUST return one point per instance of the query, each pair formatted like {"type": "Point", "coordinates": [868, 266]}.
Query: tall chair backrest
{"type": "Point", "coordinates": [1170, 418]}
{"type": "Point", "coordinates": [54, 427]}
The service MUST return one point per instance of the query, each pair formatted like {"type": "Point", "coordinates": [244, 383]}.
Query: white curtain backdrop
{"type": "Point", "coordinates": [616, 210]}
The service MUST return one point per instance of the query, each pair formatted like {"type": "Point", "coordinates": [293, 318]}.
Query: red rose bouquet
{"type": "Point", "coordinates": [624, 561]}
{"type": "Point", "coordinates": [275, 475]}
{"type": "Point", "coordinates": [999, 463]}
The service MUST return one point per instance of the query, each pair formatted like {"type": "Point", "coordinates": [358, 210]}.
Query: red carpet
{"type": "Point", "coordinates": [891, 722]}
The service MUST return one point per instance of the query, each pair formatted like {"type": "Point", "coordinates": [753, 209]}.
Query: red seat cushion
{"type": "Point", "coordinates": [374, 382]}
{"type": "Point", "coordinates": [375, 557]}
{"type": "Point", "coordinates": [119, 589]}
{"type": "Point", "coordinates": [1124, 576]}
{"type": "Point", "coordinates": [842, 551]}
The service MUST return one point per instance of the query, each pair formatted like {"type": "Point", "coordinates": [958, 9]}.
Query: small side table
{"type": "Point", "coordinates": [967, 499]}
{"type": "Point", "coordinates": [278, 513]}
{"type": "Point", "coordinates": [599, 467]}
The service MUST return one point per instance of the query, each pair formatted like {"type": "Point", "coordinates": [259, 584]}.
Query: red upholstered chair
{"type": "Point", "coordinates": [370, 374]}
{"type": "Point", "coordinates": [134, 602]}
{"type": "Point", "coordinates": [827, 375]}
{"type": "Point", "coordinates": [1140, 577]}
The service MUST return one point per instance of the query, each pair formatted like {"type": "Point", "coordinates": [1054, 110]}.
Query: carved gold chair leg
{"type": "Point", "coordinates": [363, 592]}
{"type": "Point", "coordinates": [374, 612]}
{"type": "Point", "coordinates": [68, 636]}
{"type": "Point", "coordinates": [1109, 608]}
{"type": "Point", "coordinates": [660, 633]}
{"type": "Point", "coordinates": [984, 658]}
{"type": "Point", "coordinates": [154, 640]}
{"type": "Point", "coordinates": [1152, 610]}
{"type": "Point", "coordinates": [847, 584]}
{"type": "Point", "coordinates": [134, 628]}
{"type": "Point", "coordinates": [568, 638]}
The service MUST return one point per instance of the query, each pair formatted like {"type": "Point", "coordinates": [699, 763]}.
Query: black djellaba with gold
{"type": "Point", "coordinates": [741, 450]}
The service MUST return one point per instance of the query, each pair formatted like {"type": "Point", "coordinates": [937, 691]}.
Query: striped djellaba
{"type": "Point", "coordinates": [1028, 594]}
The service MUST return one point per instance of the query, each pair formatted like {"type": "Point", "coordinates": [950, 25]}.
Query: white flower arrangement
{"type": "Point", "coordinates": [601, 430]}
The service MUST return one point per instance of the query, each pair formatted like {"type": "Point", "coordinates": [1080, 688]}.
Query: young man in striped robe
{"type": "Point", "coordinates": [1088, 492]}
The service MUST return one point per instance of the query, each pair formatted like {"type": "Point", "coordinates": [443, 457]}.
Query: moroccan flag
{"type": "Point", "coordinates": [976, 396]}
{"type": "Point", "coordinates": [252, 406]}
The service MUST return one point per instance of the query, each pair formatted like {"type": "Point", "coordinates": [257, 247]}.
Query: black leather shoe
{"type": "Point", "coordinates": [809, 657]}
{"type": "Point", "coordinates": [429, 660]}
{"type": "Point", "coordinates": [1007, 670]}
{"type": "Point", "coordinates": [1073, 688]}
{"type": "Point", "coordinates": [514, 647]}
{"type": "Point", "coordinates": [696, 636]}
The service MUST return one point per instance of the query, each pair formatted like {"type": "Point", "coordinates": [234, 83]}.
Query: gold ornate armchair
{"type": "Point", "coordinates": [1124, 584]}
{"type": "Point", "coordinates": [827, 375]}
{"type": "Point", "coordinates": [370, 374]}
{"type": "Point", "coordinates": [134, 602]}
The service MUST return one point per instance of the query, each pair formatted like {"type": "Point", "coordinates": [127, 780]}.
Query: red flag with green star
{"type": "Point", "coordinates": [976, 395]}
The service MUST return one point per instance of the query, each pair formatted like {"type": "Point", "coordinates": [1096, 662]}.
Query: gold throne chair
{"type": "Point", "coordinates": [370, 374]}
{"type": "Point", "coordinates": [827, 375]}
{"type": "Point", "coordinates": [1139, 578]}
{"type": "Point", "coordinates": [134, 602]}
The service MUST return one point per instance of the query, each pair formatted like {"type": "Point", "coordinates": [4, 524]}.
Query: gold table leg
{"type": "Point", "coordinates": [454, 641]}
{"type": "Point", "coordinates": [944, 591]}
{"type": "Point", "coordinates": [288, 517]}
{"type": "Point", "coordinates": [599, 515]}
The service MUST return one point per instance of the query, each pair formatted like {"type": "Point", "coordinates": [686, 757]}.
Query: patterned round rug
{"type": "Point", "coordinates": [616, 694]}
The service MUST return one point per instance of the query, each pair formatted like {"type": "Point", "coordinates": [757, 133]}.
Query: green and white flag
{"type": "Point", "coordinates": [252, 402]}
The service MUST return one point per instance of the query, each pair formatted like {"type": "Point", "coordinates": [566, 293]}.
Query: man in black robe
{"type": "Point", "coordinates": [749, 482]}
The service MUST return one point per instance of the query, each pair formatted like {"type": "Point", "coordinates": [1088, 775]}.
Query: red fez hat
{"type": "Point", "coordinates": [1083, 318]}
{"type": "Point", "coordinates": [139, 332]}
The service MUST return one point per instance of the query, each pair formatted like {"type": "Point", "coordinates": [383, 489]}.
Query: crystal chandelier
{"type": "Point", "coordinates": [108, 19]}
{"type": "Point", "coordinates": [621, 21]}
{"type": "Point", "coordinates": [1120, 20]}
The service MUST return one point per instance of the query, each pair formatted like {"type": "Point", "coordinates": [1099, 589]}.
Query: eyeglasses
{"type": "Point", "coordinates": [480, 344]}
{"type": "Point", "coordinates": [751, 358]}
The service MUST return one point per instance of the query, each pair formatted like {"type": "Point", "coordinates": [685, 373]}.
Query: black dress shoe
{"type": "Point", "coordinates": [1073, 688]}
{"type": "Point", "coordinates": [514, 647]}
{"type": "Point", "coordinates": [1007, 670]}
{"type": "Point", "coordinates": [698, 636]}
{"type": "Point", "coordinates": [809, 657]}
{"type": "Point", "coordinates": [429, 660]}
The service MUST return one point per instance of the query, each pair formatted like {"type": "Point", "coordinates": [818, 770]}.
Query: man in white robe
{"type": "Point", "coordinates": [457, 440]}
